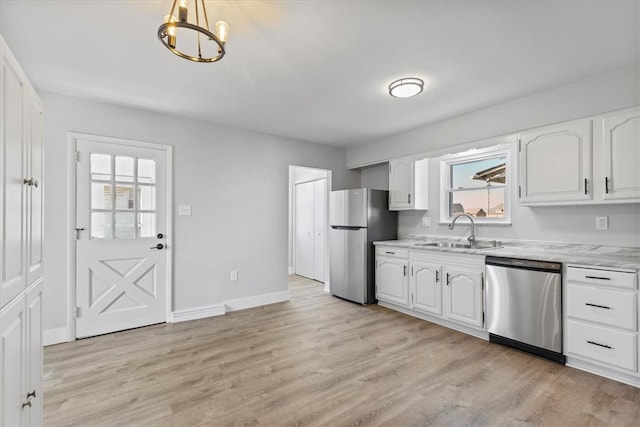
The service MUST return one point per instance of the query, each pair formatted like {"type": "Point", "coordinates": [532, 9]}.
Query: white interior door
{"type": "Point", "coordinates": [121, 246]}
{"type": "Point", "coordinates": [304, 229]}
{"type": "Point", "coordinates": [319, 221]}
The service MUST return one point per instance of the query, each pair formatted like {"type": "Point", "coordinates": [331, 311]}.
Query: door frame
{"type": "Point", "coordinates": [71, 220]}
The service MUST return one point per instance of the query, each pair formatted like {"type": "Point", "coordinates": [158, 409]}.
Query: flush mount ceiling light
{"type": "Point", "coordinates": [406, 88]}
{"type": "Point", "coordinates": [180, 36]}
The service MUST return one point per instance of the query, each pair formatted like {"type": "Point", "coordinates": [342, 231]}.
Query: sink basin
{"type": "Point", "coordinates": [455, 245]}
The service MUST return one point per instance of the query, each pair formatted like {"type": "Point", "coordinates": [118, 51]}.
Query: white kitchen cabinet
{"type": "Point", "coordinates": [426, 287]}
{"type": "Point", "coordinates": [21, 219]}
{"type": "Point", "coordinates": [392, 281]}
{"type": "Point", "coordinates": [555, 164]}
{"type": "Point", "coordinates": [463, 300]}
{"type": "Point", "coordinates": [408, 183]}
{"type": "Point", "coordinates": [445, 288]}
{"type": "Point", "coordinates": [620, 139]}
{"type": "Point", "coordinates": [601, 322]}
{"type": "Point", "coordinates": [21, 360]}
{"type": "Point", "coordinates": [589, 161]}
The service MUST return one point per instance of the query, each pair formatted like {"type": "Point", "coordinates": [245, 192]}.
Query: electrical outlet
{"type": "Point", "coordinates": [234, 275]}
{"type": "Point", "coordinates": [426, 221]}
{"type": "Point", "coordinates": [602, 223]}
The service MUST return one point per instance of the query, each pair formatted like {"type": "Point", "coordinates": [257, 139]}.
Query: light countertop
{"type": "Point", "coordinates": [588, 255]}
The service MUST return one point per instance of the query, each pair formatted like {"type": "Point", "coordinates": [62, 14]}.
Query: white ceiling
{"type": "Point", "coordinates": [319, 70]}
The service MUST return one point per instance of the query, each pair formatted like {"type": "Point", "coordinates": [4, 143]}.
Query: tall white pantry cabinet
{"type": "Point", "coordinates": [21, 226]}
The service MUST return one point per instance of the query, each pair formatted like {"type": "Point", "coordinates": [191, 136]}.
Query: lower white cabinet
{"type": "Point", "coordinates": [392, 279]}
{"type": "Point", "coordinates": [446, 288]}
{"type": "Point", "coordinates": [463, 295]}
{"type": "Point", "coordinates": [601, 322]}
{"type": "Point", "coordinates": [21, 359]}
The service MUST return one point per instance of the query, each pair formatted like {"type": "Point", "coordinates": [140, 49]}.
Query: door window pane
{"type": "Point", "coordinates": [100, 166]}
{"type": "Point", "coordinates": [125, 225]}
{"type": "Point", "coordinates": [486, 203]}
{"type": "Point", "coordinates": [147, 224]}
{"type": "Point", "coordinates": [101, 225]}
{"type": "Point", "coordinates": [146, 171]}
{"type": "Point", "coordinates": [147, 198]}
{"type": "Point", "coordinates": [124, 169]}
{"type": "Point", "coordinates": [101, 195]}
{"type": "Point", "coordinates": [125, 197]}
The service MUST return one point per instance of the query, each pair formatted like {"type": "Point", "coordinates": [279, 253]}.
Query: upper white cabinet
{"type": "Point", "coordinates": [590, 161]}
{"type": "Point", "coordinates": [408, 183]}
{"type": "Point", "coordinates": [621, 155]}
{"type": "Point", "coordinates": [555, 164]}
{"type": "Point", "coordinates": [21, 219]}
{"type": "Point", "coordinates": [21, 163]}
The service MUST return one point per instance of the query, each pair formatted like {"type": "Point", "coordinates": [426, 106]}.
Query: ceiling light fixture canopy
{"type": "Point", "coordinates": [406, 88]}
{"type": "Point", "coordinates": [174, 34]}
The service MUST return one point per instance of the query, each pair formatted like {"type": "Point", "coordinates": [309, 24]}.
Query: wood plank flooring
{"type": "Point", "coordinates": [318, 361]}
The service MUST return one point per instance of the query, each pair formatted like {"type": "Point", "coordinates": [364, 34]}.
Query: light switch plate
{"type": "Point", "coordinates": [184, 210]}
{"type": "Point", "coordinates": [426, 221]}
{"type": "Point", "coordinates": [602, 223]}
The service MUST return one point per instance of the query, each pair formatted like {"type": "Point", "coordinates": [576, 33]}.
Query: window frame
{"type": "Point", "coordinates": [449, 160]}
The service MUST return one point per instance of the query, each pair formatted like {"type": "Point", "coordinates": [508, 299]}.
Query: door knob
{"type": "Point", "coordinates": [158, 246]}
{"type": "Point", "coordinates": [160, 236]}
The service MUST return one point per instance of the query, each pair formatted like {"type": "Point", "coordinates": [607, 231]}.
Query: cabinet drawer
{"type": "Point", "coordinates": [594, 276]}
{"type": "Point", "coordinates": [604, 345]}
{"type": "Point", "coordinates": [394, 252]}
{"type": "Point", "coordinates": [610, 307]}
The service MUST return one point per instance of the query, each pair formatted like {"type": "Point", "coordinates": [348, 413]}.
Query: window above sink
{"type": "Point", "coordinates": [477, 182]}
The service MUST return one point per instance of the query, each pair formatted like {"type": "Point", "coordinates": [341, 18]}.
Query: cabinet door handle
{"type": "Point", "coordinates": [448, 281]}
{"type": "Point", "coordinates": [32, 394]}
{"type": "Point", "coordinates": [409, 197]}
{"type": "Point", "coordinates": [404, 267]}
{"type": "Point", "coordinates": [597, 306]}
{"type": "Point", "coordinates": [606, 184]}
{"type": "Point", "coordinates": [437, 277]}
{"type": "Point", "coordinates": [390, 253]}
{"type": "Point", "coordinates": [27, 403]}
{"type": "Point", "coordinates": [597, 277]}
{"type": "Point", "coordinates": [599, 345]}
{"type": "Point", "coordinates": [586, 191]}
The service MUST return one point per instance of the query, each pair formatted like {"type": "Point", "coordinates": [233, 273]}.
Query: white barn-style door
{"type": "Point", "coordinates": [309, 229]}
{"type": "Point", "coordinates": [121, 236]}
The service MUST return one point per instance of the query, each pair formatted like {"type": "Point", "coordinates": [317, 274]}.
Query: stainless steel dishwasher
{"type": "Point", "coordinates": [524, 305]}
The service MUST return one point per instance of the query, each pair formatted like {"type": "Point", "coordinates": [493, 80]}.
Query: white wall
{"type": "Point", "coordinates": [236, 181]}
{"type": "Point", "coordinates": [605, 92]}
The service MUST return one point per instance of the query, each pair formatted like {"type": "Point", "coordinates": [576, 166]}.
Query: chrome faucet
{"type": "Point", "coordinates": [472, 237]}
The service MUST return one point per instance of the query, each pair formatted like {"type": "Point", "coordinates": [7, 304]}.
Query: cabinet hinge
{"type": "Point", "coordinates": [76, 311]}
{"type": "Point", "coordinates": [76, 156]}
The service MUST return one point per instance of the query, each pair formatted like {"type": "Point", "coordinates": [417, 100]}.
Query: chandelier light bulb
{"type": "Point", "coordinates": [222, 31]}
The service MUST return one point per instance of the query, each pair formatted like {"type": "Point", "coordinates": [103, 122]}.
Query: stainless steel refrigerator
{"type": "Point", "coordinates": [358, 218]}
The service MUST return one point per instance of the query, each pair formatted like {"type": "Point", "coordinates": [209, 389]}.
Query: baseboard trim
{"type": "Point", "coordinates": [198, 313]}
{"type": "Point", "coordinates": [256, 301]}
{"type": "Point", "coordinates": [54, 336]}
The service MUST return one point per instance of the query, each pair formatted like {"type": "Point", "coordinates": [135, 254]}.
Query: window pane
{"type": "Point", "coordinates": [125, 197]}
{"type": "Point", "coordinates": [147, 224]}
{"type": "Point", "coordinates": [124, 169]}
{"type": "Point", "coordinates": [478, 173]}
{"type": "Point", "coordinates": [147, 198]}
{"type": "Point", "coordinates": [125, 225]}
{"type": "Point", "coordinates": [101, 195]}
{"type": "Point", "coordinates": [101, 225]}
{"type": "Point", "coordinates": [100, 166]}
{"type": "Point", "coordinates": [146, 171]}
{"type": "Point", "coordinates": [486, 203]}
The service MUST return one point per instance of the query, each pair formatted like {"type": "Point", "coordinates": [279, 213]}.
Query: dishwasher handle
{"type": "Point", "coordinates": [524, 264]}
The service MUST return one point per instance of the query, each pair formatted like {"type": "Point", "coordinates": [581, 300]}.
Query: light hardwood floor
{"type": "Point", "coordinates": [318, 360]}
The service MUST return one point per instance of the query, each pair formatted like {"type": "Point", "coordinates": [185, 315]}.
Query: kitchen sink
{"type": "Point", "coordinates": [455, 245]}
